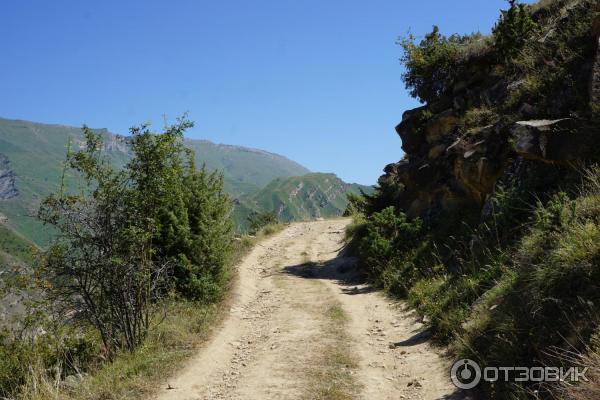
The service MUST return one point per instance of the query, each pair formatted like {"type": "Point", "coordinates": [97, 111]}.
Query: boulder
{"type": "Point", "coordinates": [476, 177]}
{"type": "Point", "coordinates": [552, 141]}
{"type": "Point", "coordinates": [413, 140]}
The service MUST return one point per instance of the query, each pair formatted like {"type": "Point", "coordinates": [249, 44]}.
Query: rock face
{"type": "Point", "coordinates": [449, 167]}
{"type": "Point", "coordinates": [595, 78]}
{"type": "Point", "coordinates": [8, 187]}
{"type": "Point", "coordinates": [559, 141]}
{"type": "Point", "coordinates": [445, 170]}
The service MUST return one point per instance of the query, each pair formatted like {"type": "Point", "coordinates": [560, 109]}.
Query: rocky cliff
{"type": "Point", "coordinates": [8, 188]}
{"type": "Point", "coordinates": [491, 127]}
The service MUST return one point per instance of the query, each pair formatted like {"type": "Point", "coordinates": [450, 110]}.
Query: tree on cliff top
{"type": "Point", "coordinates": [512, 30]}
{"type": "Point", "coordinates": [433, 64]}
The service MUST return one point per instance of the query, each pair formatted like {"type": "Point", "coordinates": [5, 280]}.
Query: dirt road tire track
{"type": "Point", "coordinates": [302, 326]}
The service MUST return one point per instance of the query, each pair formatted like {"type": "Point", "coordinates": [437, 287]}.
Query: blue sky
{"type": "Point", "coordinates": [315, 80]}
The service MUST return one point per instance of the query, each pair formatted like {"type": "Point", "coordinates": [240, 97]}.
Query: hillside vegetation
{"type": "Point", "coordinates": [490, 224]}
{"type": "Point", "coordinates": [246, 170]}
{"type": "Point", "coordinates": [15, 249]}
{"type": "Point", "coordinates": [299, 198]}
{"type": "Point", "coordinates": [142, 258]}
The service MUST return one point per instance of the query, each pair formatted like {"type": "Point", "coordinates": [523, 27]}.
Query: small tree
{"type": "Point", "coordinates": [433, 64]}
{"type": "Point", "coordinates": [101, 267]}
{"type": "Point", "coordinates": [123, 235]}
{"type": "Point", "coordinates": [259, 220]}
{"type": "Point", "coordinates": [512, 30]}
{"type": "Point", "coordinates": [388, 246]}
{"type": "Point", "coordinates": [157, 176]}
{"type": "Point", "coordinates": [356, 204]}
{"type": "Point", "coordinates": [202, 272]}
{"type": "Point", "coordinates": [186, 209]}
{"type": "Point", "coordinates": [129, 230]}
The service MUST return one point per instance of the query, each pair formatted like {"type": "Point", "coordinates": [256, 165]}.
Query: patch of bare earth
{"type": "Point", "coordinates": [302, 326]}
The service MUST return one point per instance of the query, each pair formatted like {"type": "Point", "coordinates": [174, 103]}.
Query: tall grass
{"type": "Point", "coordinates": [513, 290]}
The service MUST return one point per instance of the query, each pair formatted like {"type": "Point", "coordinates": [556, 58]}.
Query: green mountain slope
{"type": "Point", "coordinates": [31, 161]}
{"type": "Point", "coordinates": [32, 155]}
{"type": "Point", "coordinates": [14, 249]}
{"type": "Point", "coordinates": [306, 197]}
{"type": "Point", "coordinates": [246, 170]}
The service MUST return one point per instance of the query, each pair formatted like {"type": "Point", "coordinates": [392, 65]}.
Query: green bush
{"type": "Point", "coordinates": [385, 194]}
{"type": "Point", "coordinates": [513, 30]}
{"type": "Point", "coordinates": [388, 249]}
{"type": "Point", "coordinates": [430, 65]}
{"type": "Point", "coordinates": [476, 118]}
{"type": "Point", "coordinates": [433, 64]}
{"type": "Point", "coordinates": [357, 204]}
{"type": "Point", "coordinates": [259, 220]}
{"type": "Point", "coordinates": [203, 272]}
{"type": "Point", "coordinates": [188, 211]}
{"type": "Point", "coordinates": [131, 234]}
{"type": "Point", "coordinates": [565, 38]}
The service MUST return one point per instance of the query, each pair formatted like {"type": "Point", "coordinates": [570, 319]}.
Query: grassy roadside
{"type": "Point", "coordinates": [334, 380]}
{"type": "Point", "coordinates": [529, 300]}
{"type": "Point", "coordinates": [180, 328]}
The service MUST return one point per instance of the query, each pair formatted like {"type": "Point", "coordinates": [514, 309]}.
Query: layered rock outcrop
{"type": "Point", "coordinates": [449, 166]}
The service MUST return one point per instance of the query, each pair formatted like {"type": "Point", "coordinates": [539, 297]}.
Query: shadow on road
{"type": "Point", "coordinates": [343, 270]}
{"type": "Point", "coordinates": [414, 340]}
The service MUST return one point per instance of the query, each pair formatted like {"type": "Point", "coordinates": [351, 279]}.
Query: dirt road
{"type": "Point", "coordinates": [303, 327]}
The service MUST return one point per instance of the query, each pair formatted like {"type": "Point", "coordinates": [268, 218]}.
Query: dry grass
{"type": "Point", "coordinates": [587, 390]}
{"type": "Point", "coordinates": [550, 5]}
{"type": "Point", "coordinates": [334, 379]}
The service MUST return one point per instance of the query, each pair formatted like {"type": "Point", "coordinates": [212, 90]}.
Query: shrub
{"type": "Point", "coordinates": [357, 203]}
{"type": "Point", "coordinates": [513, 30]}
{"type": "Point", "coordinates": [388, 248]}
{"type": "Point", "coordinates": [203, 272]}
{"type": "Point", "coordinates": [549, 61]}
{"type": "Point", "coordinates": [101, 268]}
{"type": "Point", "coordinates": [257, 221]}
{"type": "Point", "coordinates": [385, 194]}
{"type": "Point", "coordinates": [477, 118]}
{"type": "Point", "coordinates": [433, 64]}
{"type": "Point", "coordinates": [134, 233]}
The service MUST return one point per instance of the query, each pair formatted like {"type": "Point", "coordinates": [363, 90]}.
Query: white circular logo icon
{"type": "Point", "coordinates": [465, 374]}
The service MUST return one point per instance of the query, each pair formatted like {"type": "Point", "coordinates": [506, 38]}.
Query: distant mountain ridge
{"type": "Point", "coordinates": [246, 169]}
{"type": "Point", "coordinates": [297, 198]}
{"type": "Point", "coordinates": [32, 155]}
